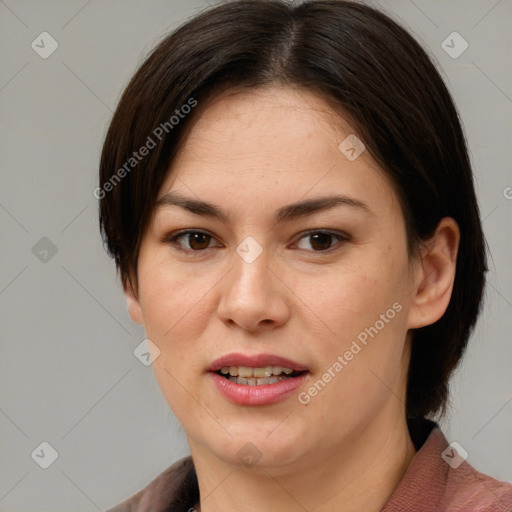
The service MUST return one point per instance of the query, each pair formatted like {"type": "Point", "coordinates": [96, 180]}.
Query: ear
{"type": "Point", "coordinates": [434, 275]}
{"type": "Point", "coordinates": [132, 301]}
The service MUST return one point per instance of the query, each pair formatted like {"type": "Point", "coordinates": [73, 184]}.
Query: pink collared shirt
{"type": "Point", "coordinates": [437, 480]}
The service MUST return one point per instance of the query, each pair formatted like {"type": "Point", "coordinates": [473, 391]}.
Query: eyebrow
{"type": "Point", "coordinates": [286, 213]}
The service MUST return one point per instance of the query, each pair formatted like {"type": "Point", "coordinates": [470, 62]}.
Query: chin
{"type": "Point", "coordinates": [252, 448]}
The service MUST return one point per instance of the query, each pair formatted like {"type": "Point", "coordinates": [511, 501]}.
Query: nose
{"type": "Point", "coordinates": [253, 296]}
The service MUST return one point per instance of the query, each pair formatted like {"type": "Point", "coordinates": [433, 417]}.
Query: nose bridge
{"type": "Point", "coordinates": [251, 295]}
{"type": "Point", "coordinates": [251, 275]}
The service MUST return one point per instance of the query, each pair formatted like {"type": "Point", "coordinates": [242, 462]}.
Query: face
{"type": "Point", "coordinates": [273, 248]}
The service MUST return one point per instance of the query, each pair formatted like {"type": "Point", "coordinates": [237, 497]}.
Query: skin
{"type": "Point", "coordinates": [250, 154]}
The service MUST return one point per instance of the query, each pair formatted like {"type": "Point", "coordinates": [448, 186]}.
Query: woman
{"type": "Point", "coordinates": [287, 194]}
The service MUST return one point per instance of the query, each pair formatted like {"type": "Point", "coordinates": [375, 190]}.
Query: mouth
{"type": "Point", "coordinates": [261, 376]}
{"type": "Point", "coordinates": [258, 379]}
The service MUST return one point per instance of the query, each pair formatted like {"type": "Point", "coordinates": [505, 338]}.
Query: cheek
{"type": "Point", "coordinates": [176, 312]}
{"type": "Point", "coordinates": [353, 298]}
{"type": "Point", "coordinates": [171, 300]}
{"type": "Point", "coordinates": [367, 315]}
{"type": "Point", "coordinates": [173, 318]}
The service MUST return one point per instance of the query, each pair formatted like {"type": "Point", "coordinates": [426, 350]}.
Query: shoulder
{"type": "Point", "coordinates": [167, 487]}
{"type": "Point", "coordinates": [469, 489]}
{"type": "Point", "coordinates": [439, 478]}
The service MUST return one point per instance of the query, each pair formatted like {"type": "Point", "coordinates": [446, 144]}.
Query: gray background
{"type": "Point", "coordinates": [68, 373]}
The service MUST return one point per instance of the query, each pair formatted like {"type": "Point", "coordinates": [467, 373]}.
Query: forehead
{"type": "Point", "coordinates": [272, 143]}
{"type": "Point", "coordinates": [280, 119]}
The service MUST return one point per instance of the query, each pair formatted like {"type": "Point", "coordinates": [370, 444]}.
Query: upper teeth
{"type": "Point", "coordinates": [247, 371]}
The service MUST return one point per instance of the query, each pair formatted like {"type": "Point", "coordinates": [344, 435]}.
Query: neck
{"type": "Point", "coordinates": [360, 474]}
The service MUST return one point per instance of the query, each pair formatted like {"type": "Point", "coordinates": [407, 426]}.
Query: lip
{"type": "Point", "coordinates": [242, 394]}
{"type": "Point", "coordinates": [255, 361]}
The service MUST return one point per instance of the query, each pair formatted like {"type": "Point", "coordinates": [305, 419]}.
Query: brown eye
{"type": "Point", "coordinates": [320, 240]}
{"type": "Point", "coordinates": [198, 241]}
{"type": "Point", "coordinates": [192, 241]}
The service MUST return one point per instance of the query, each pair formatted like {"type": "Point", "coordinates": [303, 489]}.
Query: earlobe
{"type": "Point", "coordinates": [435, 275]}
{"type": "Point", "coordinates": [132, 302]}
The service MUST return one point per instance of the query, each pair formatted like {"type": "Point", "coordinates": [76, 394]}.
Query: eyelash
{"type": "Point", "coordinates": [171, 239]}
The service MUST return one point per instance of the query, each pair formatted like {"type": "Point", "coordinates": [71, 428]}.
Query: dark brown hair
{"type": "Point", "coordinates": [373, 72]}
